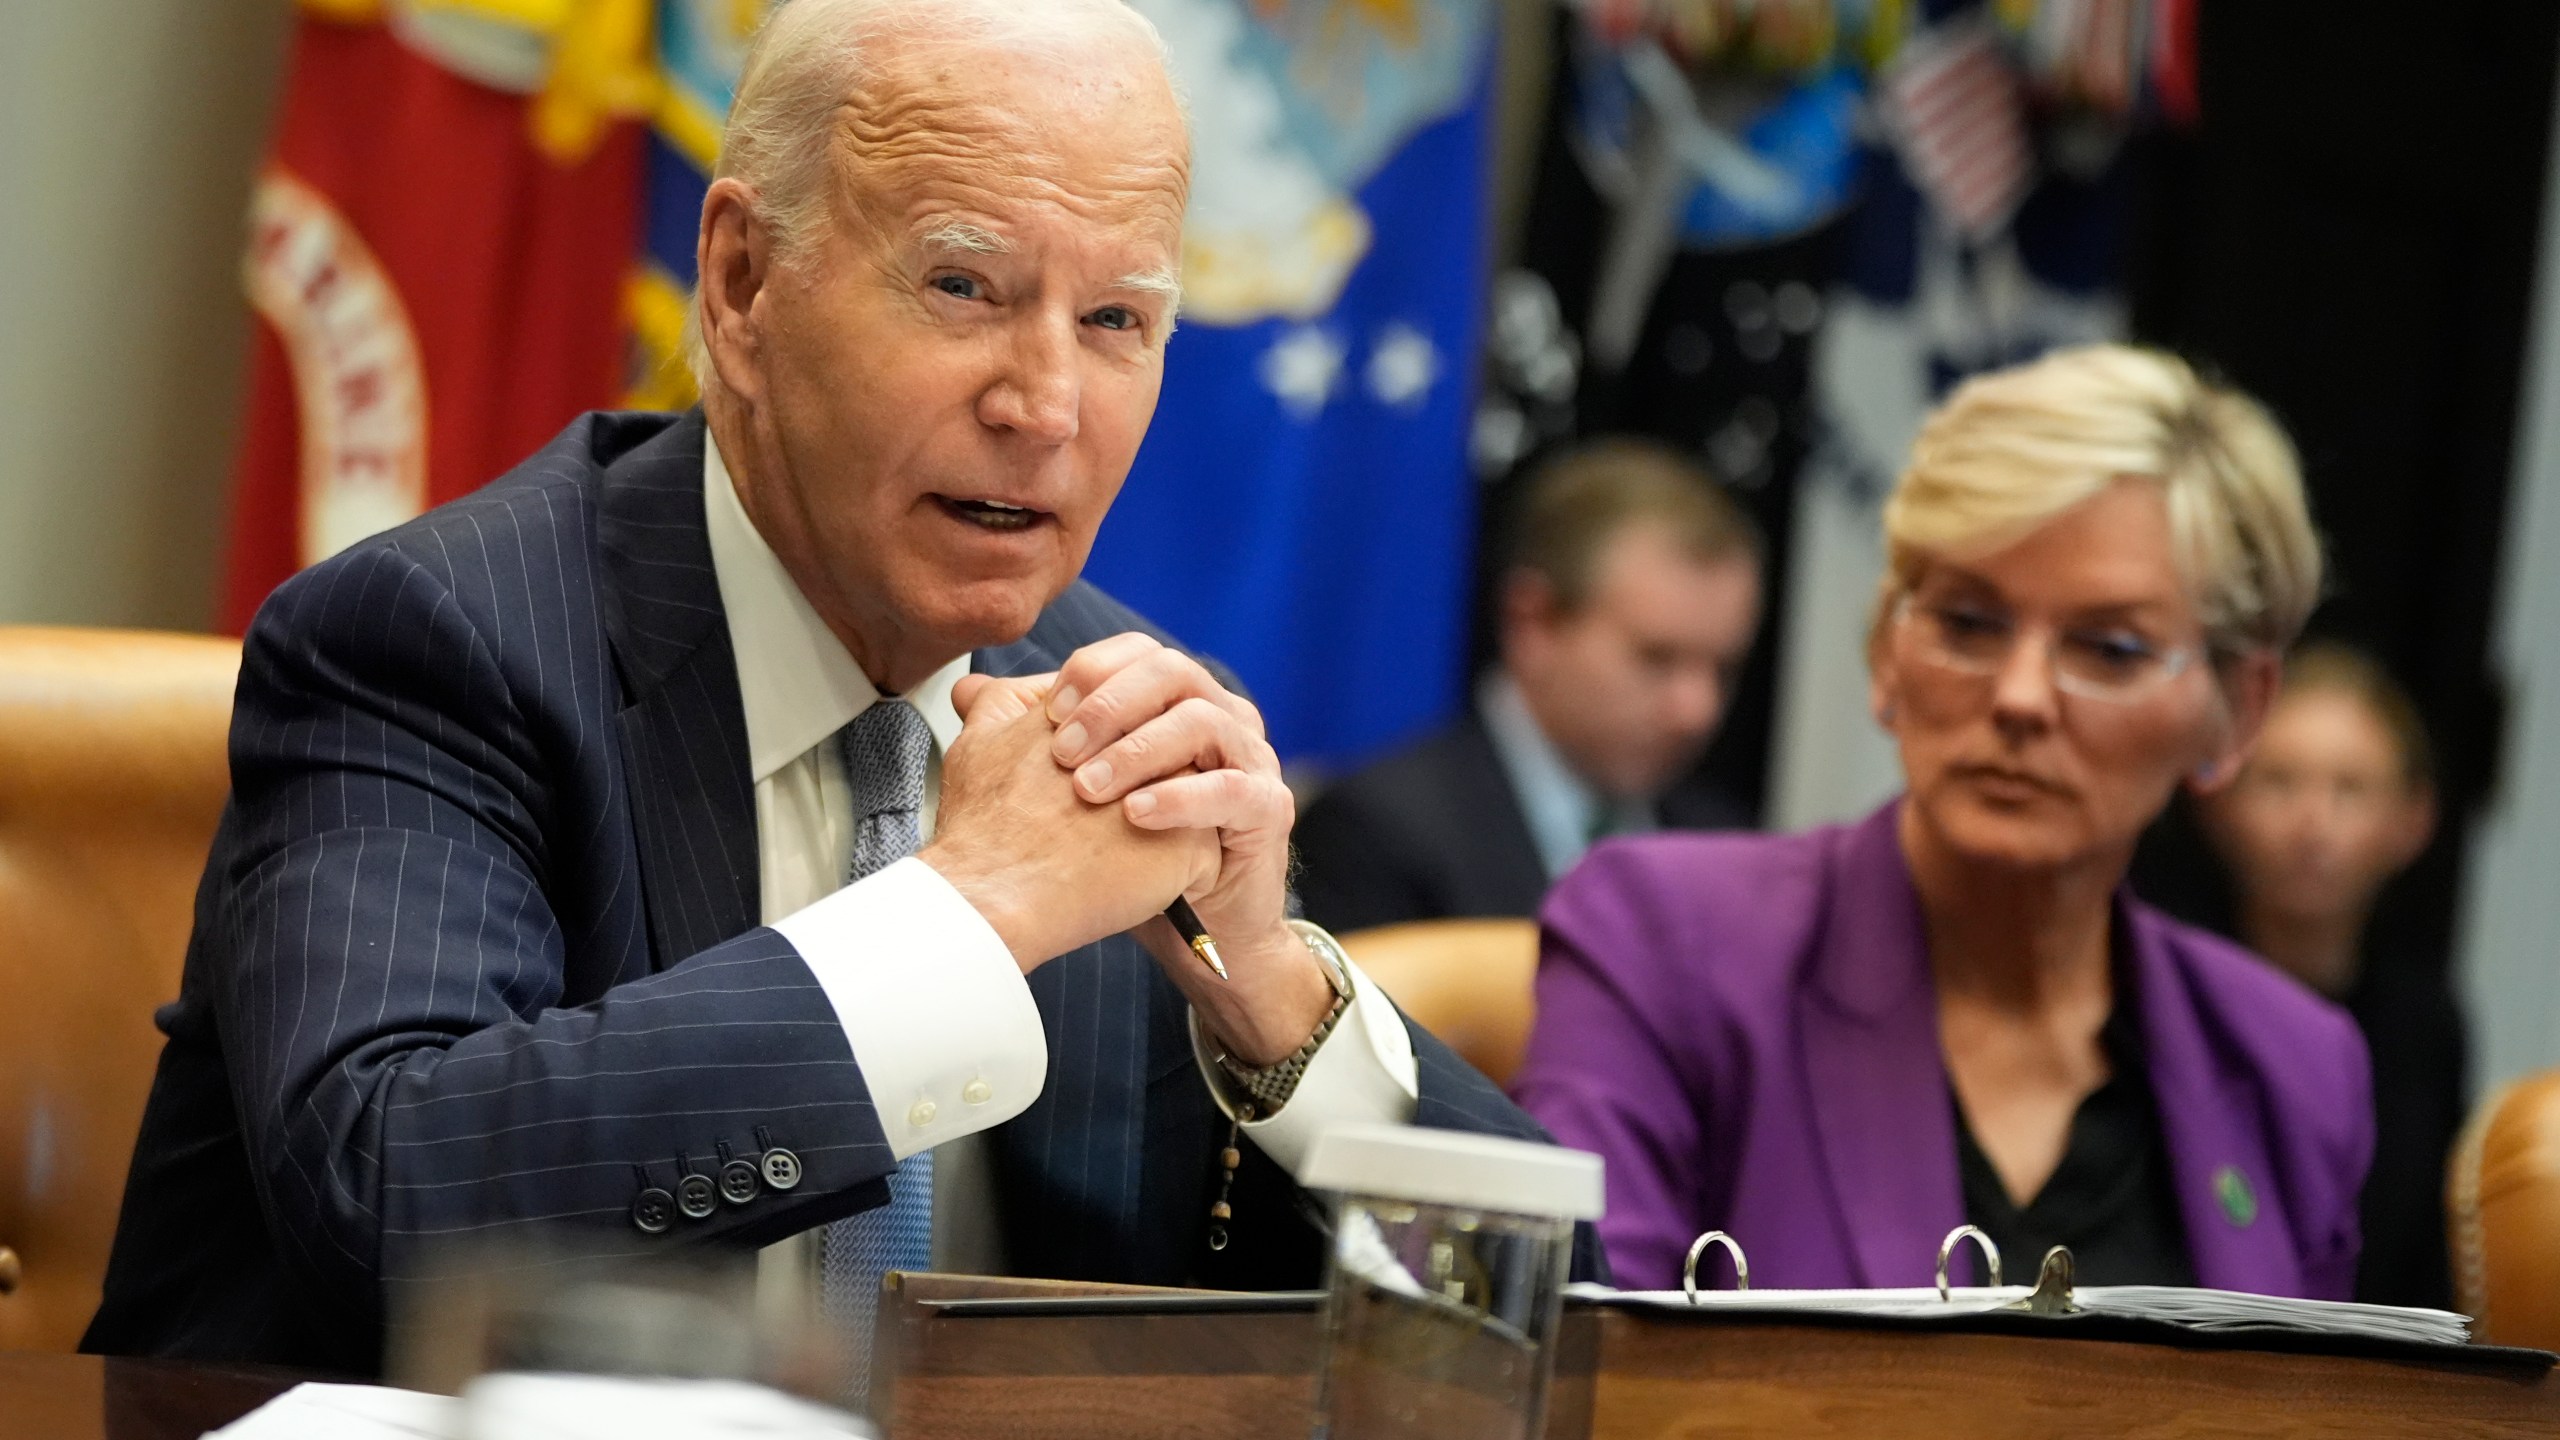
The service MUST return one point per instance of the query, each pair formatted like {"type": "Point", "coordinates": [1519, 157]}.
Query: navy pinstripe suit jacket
{"type": "Point", "coordinates": [476, 953]}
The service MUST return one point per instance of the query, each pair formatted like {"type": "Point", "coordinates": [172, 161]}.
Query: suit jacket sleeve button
{"type": "Point", "coordinates": [653, 1211]}
{"type": "Point", "coordinates": [781, 1168]}
{"type": "Point", "coordinates": [739, 1182]}
{"type": "Point", "coordinates": [696, 1197]}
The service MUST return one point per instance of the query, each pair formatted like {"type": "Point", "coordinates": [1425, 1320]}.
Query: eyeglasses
{"type": "Point", "coordinates": [2105, 663]}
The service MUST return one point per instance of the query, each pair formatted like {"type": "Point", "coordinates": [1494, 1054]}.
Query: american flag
{"type": "Point", "coordinates": [1953, 107]}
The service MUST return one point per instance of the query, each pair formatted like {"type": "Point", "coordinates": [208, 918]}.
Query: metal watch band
{"type": "Point", "coordinates": [1270, 1086]}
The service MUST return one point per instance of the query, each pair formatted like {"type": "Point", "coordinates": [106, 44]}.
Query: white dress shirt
{"type": "Point", "coordinates": [940, 1018]}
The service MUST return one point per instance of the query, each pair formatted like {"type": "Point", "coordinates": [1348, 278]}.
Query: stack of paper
{"type": "Point", "coordinates": [551, 1407]}
{"type": "Point", "coordinates": [2233, 1310]}
{"type": "Point", "coordinates": [2196, 1309]}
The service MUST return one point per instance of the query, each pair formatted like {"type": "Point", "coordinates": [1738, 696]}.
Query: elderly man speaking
{"type": "Point", "coordinates": [731, 826]}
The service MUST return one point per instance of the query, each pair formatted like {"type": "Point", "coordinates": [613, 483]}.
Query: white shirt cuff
{"type": "Point", "coordinates": [1364, 1071]}
{"type": "Point", "coordinates": [941, 1021]}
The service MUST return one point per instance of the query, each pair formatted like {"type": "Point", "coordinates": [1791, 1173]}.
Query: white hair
{"type": "Point", "coordinates": [809, 55]}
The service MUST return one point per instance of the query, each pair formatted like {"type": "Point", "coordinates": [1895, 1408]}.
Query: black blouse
{"type": "Point", "coordinates": [2111, 1199]}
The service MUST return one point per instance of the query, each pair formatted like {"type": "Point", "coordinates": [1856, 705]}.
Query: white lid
{"type": "Point", "coordinates": [1451, 1167]}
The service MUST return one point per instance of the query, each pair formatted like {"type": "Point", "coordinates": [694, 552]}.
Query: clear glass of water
{"type": "Point", "coordinates": [1442, 1308]}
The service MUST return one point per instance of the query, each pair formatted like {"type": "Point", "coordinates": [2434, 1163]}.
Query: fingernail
{"type": "Point", "coordinates": [1070, 743]}
{"type": "Point", "coordinates": [1141, 804]}
{"type": "Point", "coordinates": [1095, 777]}
{"type": "Point", "coordinates": [1063, 701]}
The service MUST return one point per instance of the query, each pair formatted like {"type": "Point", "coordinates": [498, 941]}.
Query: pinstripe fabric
{"type": "Point", "coordinates": [475, 955]}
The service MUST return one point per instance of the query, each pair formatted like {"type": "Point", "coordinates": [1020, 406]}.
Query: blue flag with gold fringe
{"type": "Point", "coordinates": [1303, 506]}
{"type": "Point", "coordinates": [700, 44]}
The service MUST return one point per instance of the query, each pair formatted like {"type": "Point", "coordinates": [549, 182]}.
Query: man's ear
{"type": "Point", "coordinates": [2249, 685]}
{"type": "Point", "coordinates": [734, 257]}
{"type": "Point", "coordinates": [1528, 607]}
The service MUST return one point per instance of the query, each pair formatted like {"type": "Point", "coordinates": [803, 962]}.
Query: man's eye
{"type": "Point", "coordinates": [960, 287]}
{"type": "Point", "coordinates": [1115, 317]}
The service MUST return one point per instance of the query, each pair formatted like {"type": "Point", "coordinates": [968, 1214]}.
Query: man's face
{"type": "Point", "coordinates": [2324, 813]}
{"type": "Point", "coordinates": [1630, 687]}
{"type": "Point", "coordinates": [948, 395]}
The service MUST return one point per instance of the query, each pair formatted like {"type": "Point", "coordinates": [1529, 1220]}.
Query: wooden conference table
{"type": "Point", "coordinates": [970, 1371]}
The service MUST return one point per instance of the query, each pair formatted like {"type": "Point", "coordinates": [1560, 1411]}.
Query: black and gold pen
{"type": "Point", "coordinates": [1186, 923]}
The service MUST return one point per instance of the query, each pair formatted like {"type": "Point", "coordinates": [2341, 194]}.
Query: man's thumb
{"type": "Point", "coordinates": [993, 700]}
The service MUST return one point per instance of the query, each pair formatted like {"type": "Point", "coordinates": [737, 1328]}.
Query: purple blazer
{"type": "Point", "coordinates": [1744, 1028]}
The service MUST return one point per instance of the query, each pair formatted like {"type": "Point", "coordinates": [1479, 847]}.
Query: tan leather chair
{"type": "Point", "coordinates": [112, 773]}
{"type": "Point", "coordinates": [2502, 1205]}
{"type": "Point", "coordinates": [1466, 981]}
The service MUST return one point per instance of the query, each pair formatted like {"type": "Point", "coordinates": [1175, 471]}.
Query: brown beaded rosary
{"type": "Point", "coordinates": [1220, 1212]}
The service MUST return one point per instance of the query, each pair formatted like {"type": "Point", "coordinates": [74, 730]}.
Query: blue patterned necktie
{"type": "Point", "coordinates": [886, 749]}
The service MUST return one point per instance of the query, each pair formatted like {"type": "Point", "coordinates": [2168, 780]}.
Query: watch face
{"type": "Point", "coordinates": [1329, 954]}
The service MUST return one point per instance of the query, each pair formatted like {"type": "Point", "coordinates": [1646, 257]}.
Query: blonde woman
{"type": "Point", "coordinates": [1839, 1045]}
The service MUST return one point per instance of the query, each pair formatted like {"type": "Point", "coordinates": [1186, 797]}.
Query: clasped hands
{"type": "Point", "coordinates": [1080, 804]}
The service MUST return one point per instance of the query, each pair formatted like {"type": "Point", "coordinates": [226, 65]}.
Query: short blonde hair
{"type": "Point", "coordinates": [2011, 450]}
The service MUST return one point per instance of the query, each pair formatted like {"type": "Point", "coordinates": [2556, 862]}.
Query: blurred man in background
{"type": "Point", "coordinates": [2338, 798]}
{"type": "Point", "coordinates": [1629, 599]}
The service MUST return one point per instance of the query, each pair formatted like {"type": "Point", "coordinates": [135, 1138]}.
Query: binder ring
{"type": "Point", "coordinates": [1947, 1251]}
{"type": "Point", "coordinates": [1698, 1247]}
{"type": "Point", "coordinates": [2053, 1286]}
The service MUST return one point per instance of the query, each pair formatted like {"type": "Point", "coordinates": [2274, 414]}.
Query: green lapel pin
{"type": "Point", "coordinates": [2239, 1200]}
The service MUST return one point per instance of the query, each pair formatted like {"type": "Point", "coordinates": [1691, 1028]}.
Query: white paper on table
{"type": "Point", "coordinates": [2193, 1307]}
{"type": "Point", "coordinates": [551, 1407]}
{"type": "Point", "coordinates": [593, 1407]}
{"type": "Point", "coordinates": [348, 1412]}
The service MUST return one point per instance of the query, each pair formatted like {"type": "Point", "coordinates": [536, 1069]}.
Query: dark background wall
{"type": "Point", "coordinates": [2351, 236]}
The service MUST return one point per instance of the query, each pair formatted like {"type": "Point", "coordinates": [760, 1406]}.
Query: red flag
{"type": "Point", "coordinates": [437, 292]}
{"type": "Point", "coordinates": [2173, 62]}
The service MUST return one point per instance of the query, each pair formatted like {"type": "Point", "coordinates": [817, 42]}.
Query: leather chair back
{"type": "Point", "coordinates": [1466, 981]}
{"type": "Point", "coordinates": [113, 769]}
{"type": "Point", "coordinates": [2502, 1204]}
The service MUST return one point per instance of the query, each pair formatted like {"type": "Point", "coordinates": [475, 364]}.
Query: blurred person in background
{"type": "Point", "coordinates": [2336, 800]}
{"type": "Point", "coordinates": [1630, 596]}
{"type": "Point", "coordinates": [1840, 1045]}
